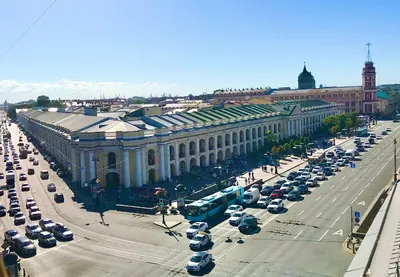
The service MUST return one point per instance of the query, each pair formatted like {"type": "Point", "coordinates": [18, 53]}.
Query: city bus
{"type": "Point", "coordinates": [362, 132]}
{"type": "Point", "coordinates": [317, 157]}
{"type": "Point", "coordinates": [213, 204]}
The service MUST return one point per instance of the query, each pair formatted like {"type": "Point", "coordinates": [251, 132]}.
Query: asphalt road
{"type": "Point", "coordinates": [304, 241]}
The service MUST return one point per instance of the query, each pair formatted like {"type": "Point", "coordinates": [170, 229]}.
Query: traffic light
{"type": "Point", "coordinates": [227, 169]}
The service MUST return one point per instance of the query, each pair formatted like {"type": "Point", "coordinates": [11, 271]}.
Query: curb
{"type": "Point", "coordinates": [167, 225]}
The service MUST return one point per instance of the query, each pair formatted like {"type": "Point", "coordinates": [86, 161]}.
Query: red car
{"type": "Point", "coordinates": [277, 193]}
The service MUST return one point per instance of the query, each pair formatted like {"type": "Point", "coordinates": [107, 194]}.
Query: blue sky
{"type": "Point", "coordinates": [84, 48]}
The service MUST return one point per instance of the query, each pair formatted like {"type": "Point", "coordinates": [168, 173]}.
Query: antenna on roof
{"type": "Point", "coordinates": [368, 53]}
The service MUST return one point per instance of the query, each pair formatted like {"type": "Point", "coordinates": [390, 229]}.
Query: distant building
{"type": "Point", "coordinates": [306, 79]}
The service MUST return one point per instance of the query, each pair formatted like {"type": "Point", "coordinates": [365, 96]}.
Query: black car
{"type": "Point", "coordinates": [292, 175]}
{"type": "Point", "coordinates": [24, 246]}
{"type": "Point", "coordinates": [3, 211]}
{"type": "Point", "coordinates": [248, 224]}
{"type": "Point", "coordinates": [267, 190]}
{"type": "Point", "coordinates": [327, 171]}
{"type": "Point", "coordinates": [279, 183]}
{"type": "Point", "coordinates": [47, 239]}
{"type": "Point", "coordinates": [294, 195]}
{"type": "Point", "coordinates": [59, 197]}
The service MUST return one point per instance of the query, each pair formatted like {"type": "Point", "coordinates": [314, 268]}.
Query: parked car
{"type": "Point", "coordinates": [279, 183]}
{"type": "Point", "coordinates": [10, 236]}
{"type": "Point", "coordinates": [25, 187]}
{"type": "Point", "coordinates": [35, 213]}
{"type": "Point", "coordinates": [312, 182]}
{"type": "Point", "coordinates": [303, 189]}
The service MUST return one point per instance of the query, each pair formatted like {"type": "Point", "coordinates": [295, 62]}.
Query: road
{"type": "Point", "coordinates": [302, 242]}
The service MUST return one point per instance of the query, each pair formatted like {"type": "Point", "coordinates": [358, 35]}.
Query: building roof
{"type": "Point", "coordinates": [382, 95]}
{"type": "Point", "coordinates": [111, 114]}
{"type": "Point", "coordinates": [66, 122]}
{"type": "Point", "coordinates": [317, 90]}
{"type": "Point", "coordinates": [305, 75]}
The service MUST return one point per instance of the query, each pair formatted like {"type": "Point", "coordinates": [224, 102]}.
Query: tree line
{"type": "Point", "coordinates": [42, 101]}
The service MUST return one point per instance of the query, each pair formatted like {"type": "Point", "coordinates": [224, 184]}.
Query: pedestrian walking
{"type": "Point", "coordinates": [249, 174]}
{"type": "Point", "coordinates": [252, 175]}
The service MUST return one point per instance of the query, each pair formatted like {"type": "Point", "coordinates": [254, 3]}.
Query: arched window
{"type": "Point", "coordinates": [151, 157]}
{"type": "Point", "coordinates": [111, 160]}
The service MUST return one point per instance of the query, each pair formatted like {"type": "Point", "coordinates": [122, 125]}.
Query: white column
{"type": "Point", "coordinates": [83, 168]}
{"type": "Point", "coordinates": [198, 152]}
{"type": "Point", "coordinates": [138, 164]}
{"type": "Point", "coordinates": [144, 168]}
{"type": "Point", "coordinates": [168, 162]}
{"type": "Point", "coordinates": [288, 128]}
{"type": "Point", "coordinates": [162, 161]}
{"type": "Point", "coordinates": [127, 174]}
{"type": "Point", "coordinates": [92, 162]}
{"type": "Point", "coordinates": [177, 172]}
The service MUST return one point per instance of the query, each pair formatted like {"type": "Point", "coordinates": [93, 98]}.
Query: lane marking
{"type": "Point", "coordinates": [344, 177]}
{"type": "Point", "coordinates": [365, 170]}
{"type": "Point", "coordinates": [354, 200]}
{"type": "Point", "coordinates": [335, 221]}
{"type": "Point", "coordinates": [368, 185]}
{"type": "Point", "coordinates": [346, 188]}
{"type": "Point", "coordinates": [333, 186]}
{"type": "Point", "coordinates": [318, 199]}
{"type": "Point", "coordinates": [323, 235]}
{"type": "Point", "coordinates": [345, 210]}
{"type": "Point", "coordinates": [361, 192]}
{"type": "Point", "coordinates": [334, 200]}
{"type": "Point", "coordinates": [301, 212]}
{"type": "Point", "coordinates": [298, 234]}
{"type": "Point", "coordinates": [319, 214]}
{"type": "Point", "coordinates": [338, 232]}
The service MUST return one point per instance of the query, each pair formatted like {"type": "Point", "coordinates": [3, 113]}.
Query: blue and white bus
{"type": "Point", "coordinates": [215, 203]}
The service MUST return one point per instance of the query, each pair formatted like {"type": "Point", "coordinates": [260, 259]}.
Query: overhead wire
{"type": "Point", "coordinates": [27, 30]}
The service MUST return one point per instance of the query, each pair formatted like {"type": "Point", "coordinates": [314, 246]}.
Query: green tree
{"type": "Point", "coordinates": [334, 129]}
{"type": "Point", "coordinates": [55, 104]}
{"type": "Point", "coordinates": [274, 150]}
{"type": "Point", "coordinates": [11, 112]}
{"type": "Point", "coordinates": [137, 101]}
{"type": "Point", "coordinates": [270, 140]}
{"type": "Point", "coordinates": [280, 149]}
{"type": "Point", "coordinates": [286, 147]}
{"type": "Point", "coordinates": [43, 101]}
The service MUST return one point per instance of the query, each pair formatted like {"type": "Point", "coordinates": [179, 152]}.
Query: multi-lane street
{"type": "Point", "coordinates": [304, 241]}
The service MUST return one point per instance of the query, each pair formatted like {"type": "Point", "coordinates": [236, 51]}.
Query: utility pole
{"type": "Point", "coordinates": [351, 224]}
{"type": "Point", "coordinates": [395, 162]}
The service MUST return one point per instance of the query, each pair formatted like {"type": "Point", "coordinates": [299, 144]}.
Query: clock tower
{"type": "Point", "coordinates": [369, 86]}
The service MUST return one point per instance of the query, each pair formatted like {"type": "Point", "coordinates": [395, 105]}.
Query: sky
{"type": "Point", "coordinates": [90, 48]}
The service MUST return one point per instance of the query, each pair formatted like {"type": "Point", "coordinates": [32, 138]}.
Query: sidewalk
{"type": "Point", "coordinates": [285, 165]}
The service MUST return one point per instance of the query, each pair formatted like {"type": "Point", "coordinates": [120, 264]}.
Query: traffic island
{"type": "Point", "coordinates": [168, 225]}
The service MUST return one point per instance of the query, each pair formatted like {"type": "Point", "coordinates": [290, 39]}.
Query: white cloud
{"type": "Point", "coordinates": [14, 91]}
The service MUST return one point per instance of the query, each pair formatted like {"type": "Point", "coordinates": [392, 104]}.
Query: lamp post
{"type": "Point", "coordinates": [96, 194]}
{"type": "Point", "coordinates": [395, 162]}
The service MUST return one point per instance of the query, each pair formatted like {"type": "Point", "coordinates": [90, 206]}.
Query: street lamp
{"type": "Point", "coordinates": [395, 162]}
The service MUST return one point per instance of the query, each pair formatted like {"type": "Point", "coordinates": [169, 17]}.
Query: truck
{"type": "Point", "coordinates": [10, 179]}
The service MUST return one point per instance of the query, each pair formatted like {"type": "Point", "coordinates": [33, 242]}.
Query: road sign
{"type": "Point", "coordinates": [357, 216]}
{"type": "Point", "coordinates": [353, 165]}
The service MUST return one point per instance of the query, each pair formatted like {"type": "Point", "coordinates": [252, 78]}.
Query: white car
{"type": "Point", "coordinates": [341, 162]}
{"type": "Point", "coordinates": [276, 205]}
{"type": "Point", "coordinates": [308, 168]}
{"type": "Point", "coordinates": [320, 176]}
{"type": "Point", "coordinates": [200, 240]}
{"type": "Point", "coordinates": [316, 169]}
{"type": "Point", "coordinates": [306, 175]}
{"type": "Point", "coordinates": [233, 208]}
{"type": "Point", "coordinates": [367, 145]}
{"type": "Point", "coordinates": [263, 201]}
{"type": "Point", "coordinates": [334, 167]}
{"type": "Point", "coordinates": [195, 228]}
{"type": "Point", "coordinates": [286, 188]}
{"type": "Point", "coordinates": [311, 182]}
{"type": "Point", "coordinates": [237, 217]}
{"type": "Point", "coordinates": [198, 261]}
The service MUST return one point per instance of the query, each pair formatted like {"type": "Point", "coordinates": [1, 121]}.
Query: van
{"type": "Point", "coordinates": [251, 196]}
{"type": "Point", "coordinates": [350, 154]}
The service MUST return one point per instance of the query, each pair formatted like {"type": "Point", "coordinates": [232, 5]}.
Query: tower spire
{"type": "Point", "coordinates": [368, 53]}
